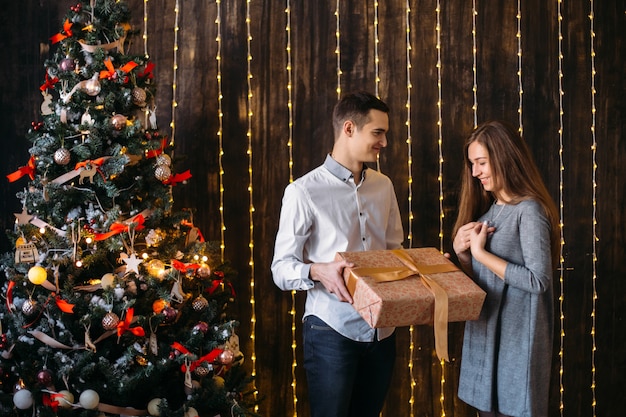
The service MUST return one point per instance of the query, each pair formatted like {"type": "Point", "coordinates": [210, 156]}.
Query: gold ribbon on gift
{"type": "Point", "coordinates": [388, 274]}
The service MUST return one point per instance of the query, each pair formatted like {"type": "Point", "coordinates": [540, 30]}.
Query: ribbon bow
{"type": "Point", "coordinates": [174, 179]}
{"type": "Point", "coordinates": [110, 71]}
{"type": "Point", "coordinates": [156, 152]}
{"type": "Point", "coordinates": [147, 72]}
{"type": "Point", "coordinates": [209, 357]}
{"type": "Point", "coordinates": [440, 319]}
{"type": "Point", "coordinates": [49, 83]}
{"type": "Point", "coordinates": [67, 28]}
{"type": "Point", "coordinates": [183, 267]}
{"type": "Point", "coordinates": [117, 228]}
{"type": "Point", "coordinates": [28, 169]}
{"type": "Point", "coordinates": [124, 325]}
{"type": "Point", "coordinates": [217, 283]}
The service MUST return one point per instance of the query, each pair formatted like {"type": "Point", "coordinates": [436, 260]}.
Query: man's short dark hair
{"type": "Point", "coordinates": [356, 107]}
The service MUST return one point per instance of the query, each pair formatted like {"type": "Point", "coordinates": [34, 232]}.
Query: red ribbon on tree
{"type": "Point", "coordinates": [50, 400]}
{"type": "Point", "coordinates": [110, 71]}
{"type": "Point", "coordinates": [64, 306]}
{"type": "Point", "coordinates": [217, 283]}
{"type": "Point", "coordinates": [156, 152]}
{"type": "Point", "coordinates": [176, 178]}
{"type": "Point", "coordinates": [10, 295]}
{"type": "Point", "coordinates": [124, 325]}
{"type": "Point", "coordinates": [117, 228]}
{"type": "Point", "coordinates": [50, 82]}
{"type": "Point", "coordinates": [28, 169]}
{"type": "Point", "coordinates": [67, 28]}
{"type": "Point", "coordinates": [209, 357]}
{"type": "Point", "coordinates": [183, 267]}
{"type": "Point", "coordinates": [147, 72]}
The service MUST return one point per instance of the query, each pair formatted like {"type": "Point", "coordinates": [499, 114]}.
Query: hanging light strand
{"type": "Point", "coordinates": [519, 65]}
{"type": "Point", "coordinates": [292, 312]}
{"type": "Point", "coordinates": [251, 206]}
{"type": "Point", "coordinates": [175, 72]}
{"type": "Point", "coordinates": [594, 220]}
{"type": "Point", "coordinates": [145, 29]}
{"type": "Point", "coordinates": [409, 142]}
{"type": "Point", "coordinates": [338, 51]}
{"type": "Point", "coordinates": [474, 66]}
{"type": "Point", "coordinates": [561, 212]}
{"type": "Point", "coordinates": [442, 362]}
{"type": "Point", "coordinates": [220, 115]}
{"type": "Point", "coordinates": [376, 51]}
{"type": "Point", "coordinates": [376, 65]}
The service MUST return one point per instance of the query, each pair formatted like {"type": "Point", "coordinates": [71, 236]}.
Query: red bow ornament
{"type": "Point", "coordinates": [28, 169]}
{"type": "Point", "coordinates": [65, 33]}
{"type": "Point", "coordinates": [124, 325]}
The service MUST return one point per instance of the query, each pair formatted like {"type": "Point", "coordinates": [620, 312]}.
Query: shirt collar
{"type": "Point", "coordinates": [339, 171]}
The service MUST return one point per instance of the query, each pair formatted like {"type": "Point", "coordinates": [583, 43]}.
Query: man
{"type": "Point", "coordinates": [341, 206]}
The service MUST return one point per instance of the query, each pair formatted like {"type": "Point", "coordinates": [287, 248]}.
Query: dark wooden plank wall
{"type": "Point", "coordinates": [27, 25]}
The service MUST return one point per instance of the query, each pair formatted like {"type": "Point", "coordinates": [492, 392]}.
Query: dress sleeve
{"type": "Point", "coordinates": [289, 270]}
{"type": "Point", "coordinates": [534, 274]}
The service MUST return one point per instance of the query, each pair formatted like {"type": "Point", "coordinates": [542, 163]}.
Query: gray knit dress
{"type": "Point", "coordinates": [507, 352]}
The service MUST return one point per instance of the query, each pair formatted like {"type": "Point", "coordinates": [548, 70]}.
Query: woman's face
{"type": "Point", "coordinates": [481, 168]}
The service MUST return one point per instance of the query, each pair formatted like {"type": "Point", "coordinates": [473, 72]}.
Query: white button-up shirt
{"type": "Point", "coordinates": [325, 212]}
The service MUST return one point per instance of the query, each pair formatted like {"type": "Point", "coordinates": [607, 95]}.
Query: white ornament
{"type": "Point", "coordinates": [89, 399]}
{"type": "Point", "coordinates": [23, 399]}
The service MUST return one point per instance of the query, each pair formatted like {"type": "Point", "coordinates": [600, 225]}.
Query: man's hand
{"type": "Point", "coordinates": [330, 274]}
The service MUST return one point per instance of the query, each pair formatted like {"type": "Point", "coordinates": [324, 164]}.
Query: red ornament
{"type": "Point", "coordinates": [202, 327]}
{"type": "Point", "coordinates": [36, 125]}
{"type": "Point", "coordinates": [44, 377]}
{"type": "Point", "coordinates": [67, 65]}
{"type": "Point", "coordinates": [169, 314]}
{"type": "Point", "coordinates": [77, 8]}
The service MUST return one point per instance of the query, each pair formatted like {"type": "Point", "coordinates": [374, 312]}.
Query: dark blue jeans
{"type": "Point", "coordinates": [345, 378]}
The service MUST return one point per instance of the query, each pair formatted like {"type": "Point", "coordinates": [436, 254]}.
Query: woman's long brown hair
{"type": "Point", "coordinates": [513, 170]}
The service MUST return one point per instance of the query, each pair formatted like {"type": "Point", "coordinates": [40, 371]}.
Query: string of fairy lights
{"type": "Point", "coordinates": [220, 117]}
{"type": "Point", "coordinates": [292, 311]}
{"type": "Point", "coordinates": [561, 211]}
{"type": "Point", "coordinates": [442, 362]}
{"type": "Point", "coordinates": [175, 72]}
{"type": "Point", "coordinates": [594, 201]}
{"type": "Point", "coordinates": [250, 115]}
{"type": "Point", "coordinates": [409, 142]}
{"type": "Point", "coordinates": [519, 65]}
{"type": "Point", "coordinates": [474, 66]}
{"type": "Point", "coordinates": [338, 50]}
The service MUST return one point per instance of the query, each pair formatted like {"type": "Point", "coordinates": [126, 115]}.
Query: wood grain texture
{"type": "Point", "coordinates": [314, 78]}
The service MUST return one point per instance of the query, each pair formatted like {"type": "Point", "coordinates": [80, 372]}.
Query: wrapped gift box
{"type": "Point", "coordinates": [408, 301]}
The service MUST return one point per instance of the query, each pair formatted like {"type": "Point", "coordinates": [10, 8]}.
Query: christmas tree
{"type": "Point", "coordinates": [113, 302]}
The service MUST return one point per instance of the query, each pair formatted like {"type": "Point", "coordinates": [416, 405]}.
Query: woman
{"type": "Point", "coordinates": [506, 238]}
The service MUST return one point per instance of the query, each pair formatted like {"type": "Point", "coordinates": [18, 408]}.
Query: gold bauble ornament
{"type": "Point", "coordinates": [92, 87]}
{"type": "Point", "coordinates": [118, 121]}
{"type": "Point", "coordinates": [110, 321]}
{"type": "Point", "coordinates": [62, 156]}
{"type": "Point", "coordinates": [30, 307]}
{"type": "Point", "coordinates": [164, 159]}
{"type": "Point", "coordinates": [199, 303]}
{"type": "Point", "coordinates": [139, 96]}
{"type": "Point", "coordinates": [162, 173]}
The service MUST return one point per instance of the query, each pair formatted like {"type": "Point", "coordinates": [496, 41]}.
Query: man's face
{"type": "Point", "coordinates": [370, 138]}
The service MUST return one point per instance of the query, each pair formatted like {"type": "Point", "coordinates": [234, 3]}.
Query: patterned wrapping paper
{"type": "Point", "coordinates": [408, 301]}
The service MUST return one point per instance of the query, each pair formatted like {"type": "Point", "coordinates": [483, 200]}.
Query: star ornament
{"type": "Point", "coordinates": [132, 263]}
{"type": "Point", "coordinates": [23, 217]}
